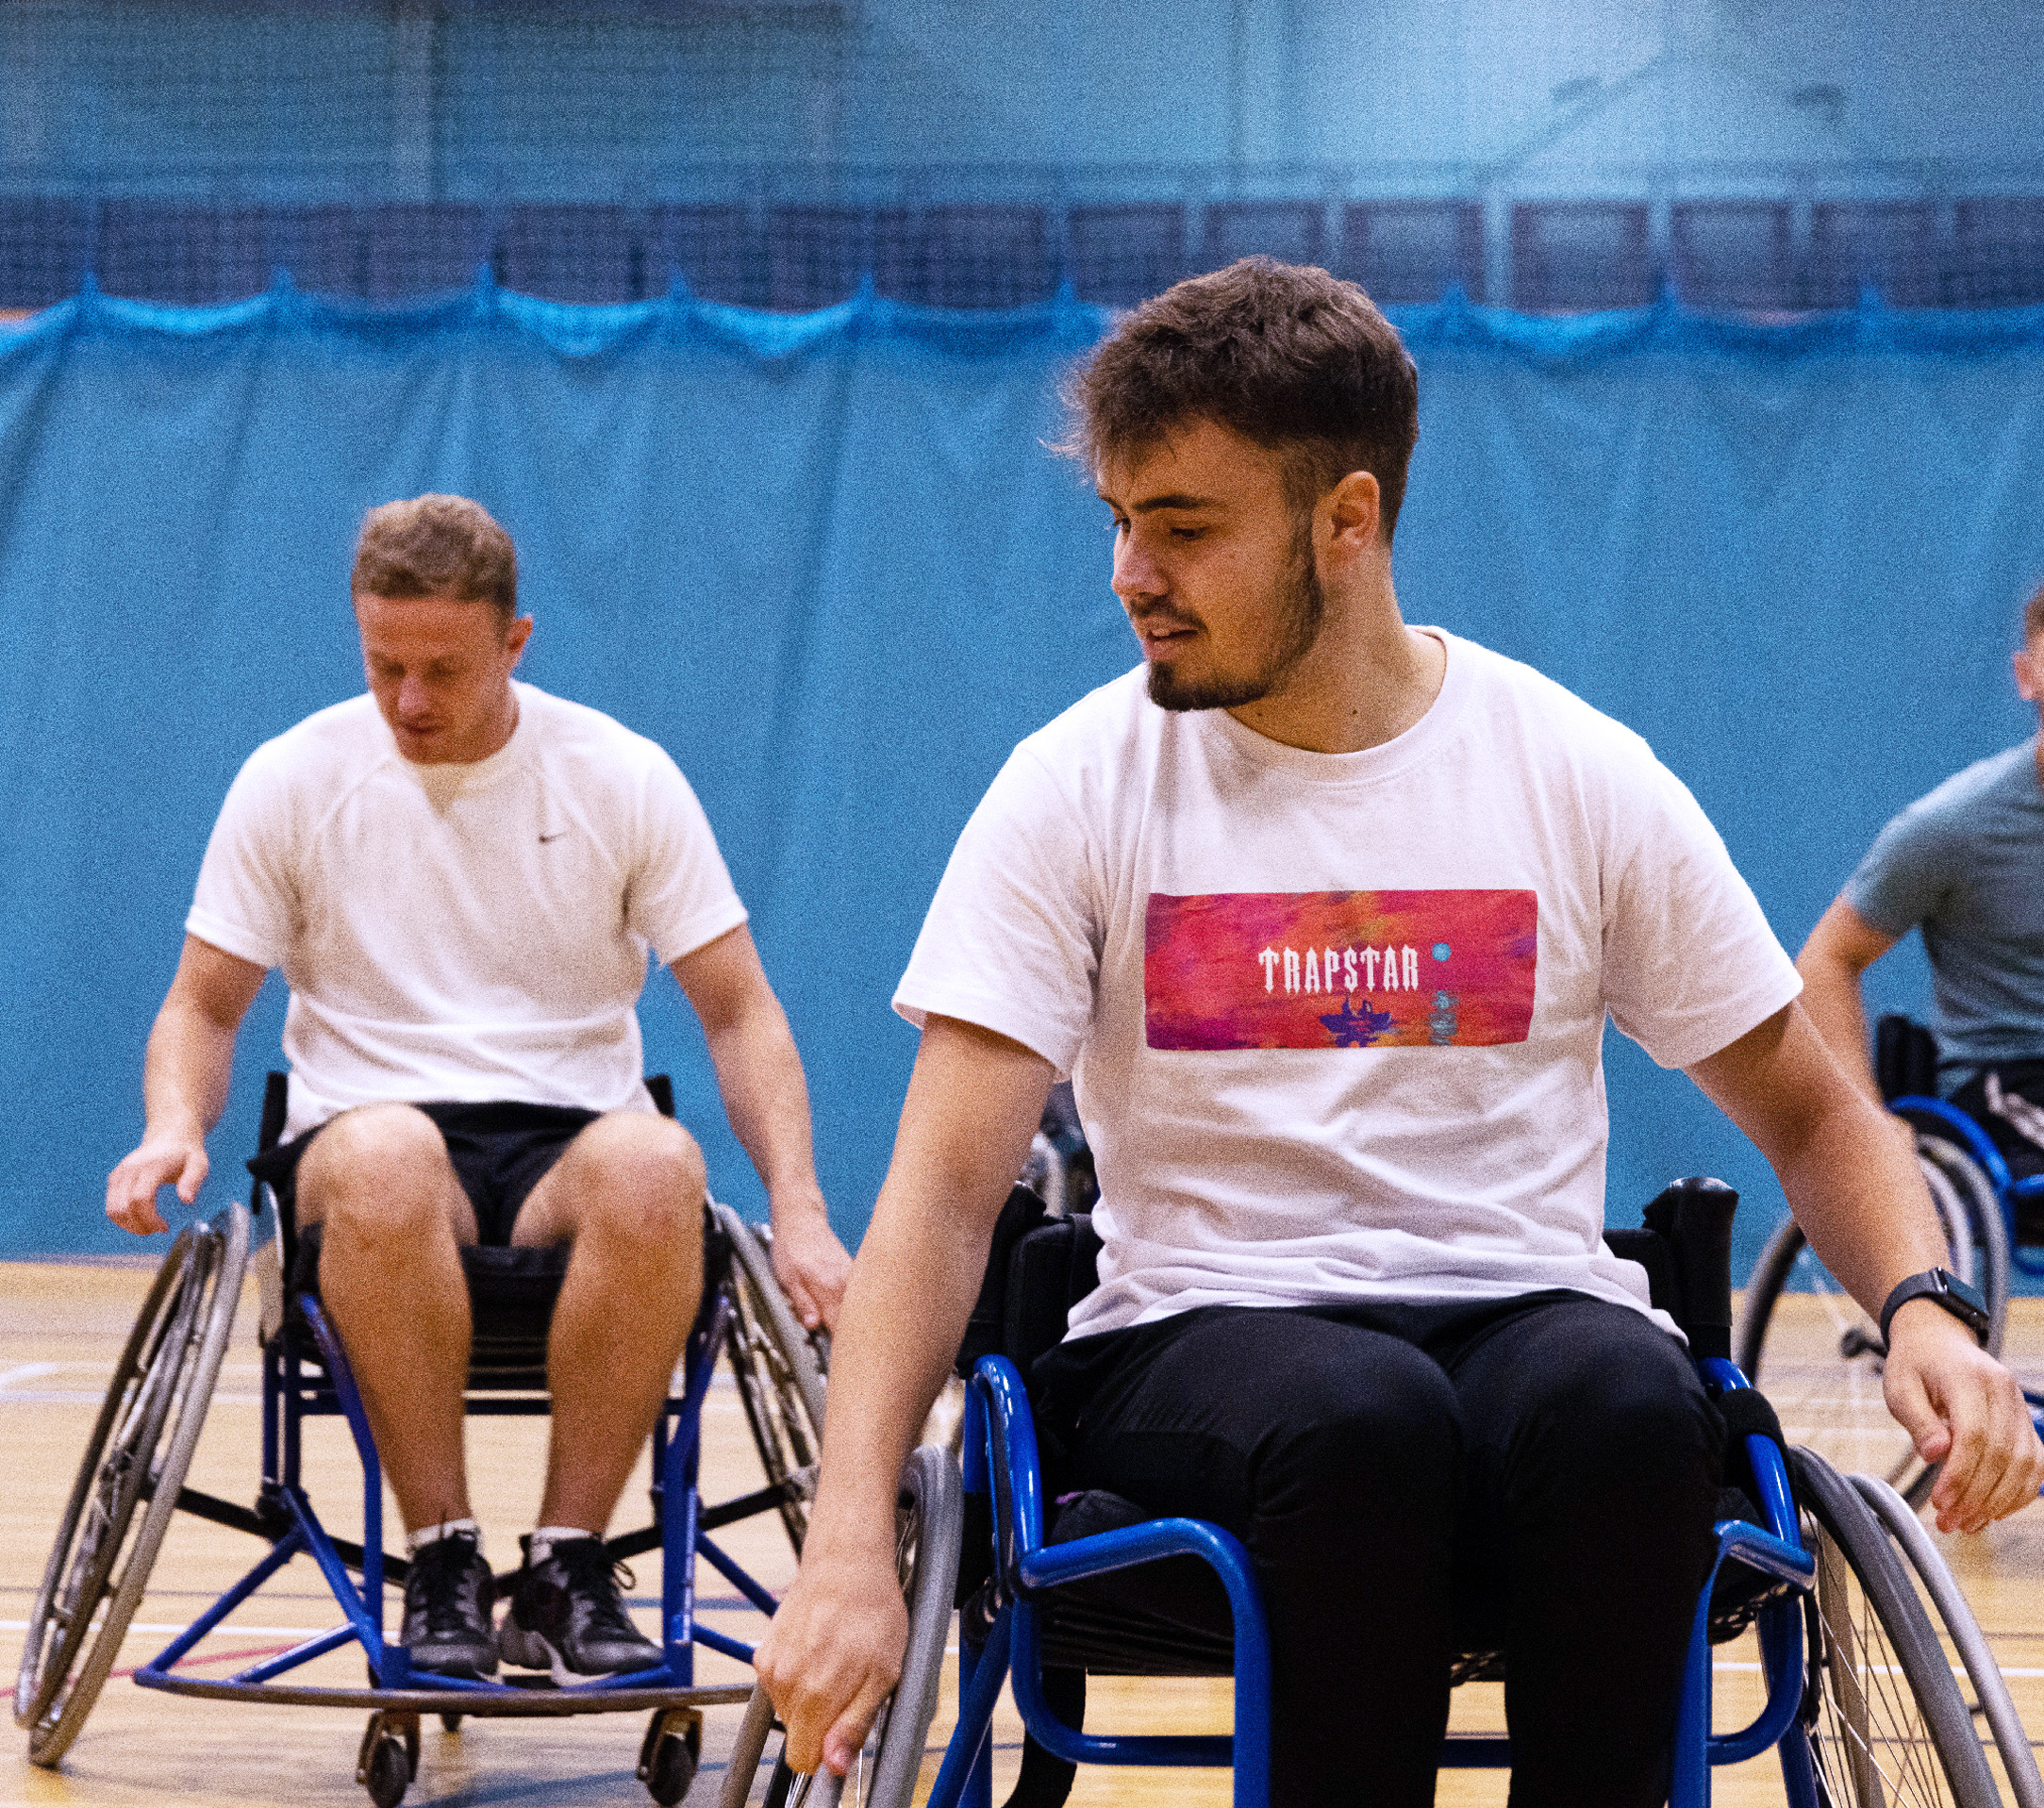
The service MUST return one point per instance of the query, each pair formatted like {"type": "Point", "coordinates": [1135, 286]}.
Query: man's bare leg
{"type": "Point", "coordinates": [628, 1193]}
{"type": "Point", "coordinates": [379, 1179]}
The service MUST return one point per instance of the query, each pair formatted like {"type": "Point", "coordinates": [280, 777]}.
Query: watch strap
{"type": "Point", "coordinates": [1963, 1301]}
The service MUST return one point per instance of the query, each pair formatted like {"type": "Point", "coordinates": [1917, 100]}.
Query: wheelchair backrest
{"type": "Point", "coordinates": [1904, 1058]}
{"type": "Point", "coordinates": [1039, 1267]}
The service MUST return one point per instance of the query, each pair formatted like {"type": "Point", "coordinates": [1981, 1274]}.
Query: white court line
{"type": "Point", "coordinates": [26, 1371]}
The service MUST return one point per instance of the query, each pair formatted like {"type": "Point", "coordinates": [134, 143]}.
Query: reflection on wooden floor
{"type": "Point", "coordinates": [60, 1330]}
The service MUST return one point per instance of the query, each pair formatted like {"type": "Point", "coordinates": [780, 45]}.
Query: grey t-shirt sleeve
{"type": "Point", "coordinates": [1906, 877]}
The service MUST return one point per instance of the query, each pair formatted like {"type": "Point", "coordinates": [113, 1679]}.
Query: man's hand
{"type": "Point", "coordinates": [1962, 1409]}
{"type": "Point", "coordinates": [809, 1263]}
{"type": "Point", "coordinates": [184, 1075]}
{"type": "Point", "coordinates": [167, 1158]}
{"type": "Point", "coordinates": [832, 1655]}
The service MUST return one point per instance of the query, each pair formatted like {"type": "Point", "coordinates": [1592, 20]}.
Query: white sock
{"type": "Point", "coordinates": [417, 1541]}
{"type": "Point", "coordinates": [540, 1547]}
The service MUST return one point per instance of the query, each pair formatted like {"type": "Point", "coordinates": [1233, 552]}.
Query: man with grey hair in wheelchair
{"type": "Point", "coordinates": [460, 877]}
{"type": "Point", "coordinates": [1324, 914]}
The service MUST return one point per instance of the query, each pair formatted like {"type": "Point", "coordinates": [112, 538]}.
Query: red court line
{"type": "Point", "coordinates": [223, 1657]}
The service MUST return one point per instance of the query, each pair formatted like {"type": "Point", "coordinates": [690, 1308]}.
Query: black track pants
{"type": "Point", "coordinates": [1537, 1475]}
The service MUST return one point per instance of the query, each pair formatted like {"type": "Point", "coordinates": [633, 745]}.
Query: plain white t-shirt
{"type": "Point", "coordinates": [1335, 1021]}
{"type": "Point", "coordinates": [462, 932]}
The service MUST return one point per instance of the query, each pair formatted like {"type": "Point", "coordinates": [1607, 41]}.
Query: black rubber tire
{"type": "Point", "coordinates": [779, 1372]}
{"type": "Point", "coordinates": [390, 1773]}
{"type": "Point", "coordinates": [674, 1767]}
{"type": "Point", "coordinates": [105, 1549]}
{"type": "Point", "coordinates": [1884, 1718]}
{"type": "Point", "coordinates": [1836, 1407]}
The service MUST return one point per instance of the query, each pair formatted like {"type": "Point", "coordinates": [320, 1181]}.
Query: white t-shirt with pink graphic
{"type": "Point", "coordinates": [1335, 1021]}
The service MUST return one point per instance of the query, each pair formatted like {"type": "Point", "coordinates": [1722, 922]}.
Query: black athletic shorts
{"type": "Point", "coordinates": [500, 1151]}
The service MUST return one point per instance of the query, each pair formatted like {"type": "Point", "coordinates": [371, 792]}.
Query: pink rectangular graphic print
{"type": "Point", "coordinates": [1339, 970]}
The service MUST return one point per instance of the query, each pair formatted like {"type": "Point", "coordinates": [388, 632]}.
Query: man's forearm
{"type": "Point", "coordinates": [975, 1100]}
{"type": "Point", "coordinates": [1831, 995]}
{"type": "Point", "coordinates": [767, 1098]}
{"type": "Point", "coordinates": [1855, 1190]}
{"type": "Point", "coordinates": [1851, 1180]}
{"type": "Point", "coordinates": [904, 1314]}
{"type": "Point", "coordinates": [186, 1071]}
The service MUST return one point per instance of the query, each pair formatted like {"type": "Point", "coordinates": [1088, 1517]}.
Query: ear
{"type": "Point", "coordinates": [2028, 662]}
{"type": "Point", "coordinates": [516, 636]}
{"type": "Point", "coordinates": [1353, 509]}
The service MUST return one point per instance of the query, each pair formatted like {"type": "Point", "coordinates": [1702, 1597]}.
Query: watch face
{"type": "Point", "coordinates": [1966, 1295]}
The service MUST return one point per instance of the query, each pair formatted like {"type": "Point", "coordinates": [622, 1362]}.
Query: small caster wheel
{"type": "Point", "coordinates": [388, 1757]}
{"type": "Point", "coordinates": [388, 1774]}
{"type": "Point", "coordinates": [670, 1754]}
{"type": "Point", "coordinates": [451, 1722]}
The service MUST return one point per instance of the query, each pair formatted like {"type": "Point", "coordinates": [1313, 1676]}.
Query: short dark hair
{"type": "Point", "coordinates": [435, 545]}
{"type": "Point", "coordinates": [1291, 358]}
{"type": "Point", "coordinates": [2033, 616]}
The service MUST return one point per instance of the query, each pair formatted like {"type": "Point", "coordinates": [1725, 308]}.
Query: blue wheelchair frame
{"type": "Point", "coordinates": [296, 1388]}
{"type": "Point", "coordinates": [1001, 1461]}
{"type": "Point", "coordinates": [2009, 1192]}
{"type": "Point", "coordinates": [293, 1393]}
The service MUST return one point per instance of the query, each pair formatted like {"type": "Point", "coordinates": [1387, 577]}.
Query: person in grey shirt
{"type": "Point", "coordinates": [1966, 866]}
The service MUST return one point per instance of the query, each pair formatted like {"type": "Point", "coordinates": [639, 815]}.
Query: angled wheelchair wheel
{"type": "Point", "coordinates": [127, 1485]}
{"type": "Point", "coordinates": [929, 1526]}
{"type": "Point", "coordinates": [1886, 1724]}
{"type": "Point", "coordinates": [779, 1374]}
{"type": "Point", "coordinates": [1805, 1341]}
{"type": "Point", "coordinates": [1987, 1693]}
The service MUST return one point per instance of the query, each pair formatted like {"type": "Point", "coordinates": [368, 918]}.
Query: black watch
{"type": "Point", "coordinates": [1959, 1298]}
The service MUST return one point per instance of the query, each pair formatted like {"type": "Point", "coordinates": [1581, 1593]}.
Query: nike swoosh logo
{"type": "Point", "coordinates": [555, 837]}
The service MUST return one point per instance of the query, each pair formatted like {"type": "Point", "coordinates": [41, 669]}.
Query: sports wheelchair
{"type": "Point", "coordinates": [132, 1481]}
{"type": "Point", "coordinates": [1819, 1355]}
{"type": "Point", "coordinates": [1835, 1575]}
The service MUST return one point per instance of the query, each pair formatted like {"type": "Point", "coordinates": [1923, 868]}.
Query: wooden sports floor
{"type": "Point", "coordinates": [61, 1327]}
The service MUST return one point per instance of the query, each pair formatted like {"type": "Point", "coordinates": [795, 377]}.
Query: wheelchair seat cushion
{"type": "Point", "coordinates": [511, 1296]}
{"type": "Point", "coordinates": [1165, 1618]}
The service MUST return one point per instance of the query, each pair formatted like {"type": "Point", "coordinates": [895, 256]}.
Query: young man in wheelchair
{"type": "Point", "coordinates": [1324, 914]}
{"type": "Point", "coordinates": [1961, 865]}
{"type": "Point", "coordinates": [460, 877]}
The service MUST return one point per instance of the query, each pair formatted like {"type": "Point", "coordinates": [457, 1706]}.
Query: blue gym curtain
{"type": "Point", "coordinates": [828, 561]}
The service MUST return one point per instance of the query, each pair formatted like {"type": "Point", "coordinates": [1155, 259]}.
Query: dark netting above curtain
{"type": "Point", "coordinates": [792, 256]}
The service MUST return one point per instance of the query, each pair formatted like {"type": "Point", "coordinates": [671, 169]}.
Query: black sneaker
{"type": "Point", "coordinates": [448, 1596]}
{"type": "Point", "coordinates": [567, 1617]}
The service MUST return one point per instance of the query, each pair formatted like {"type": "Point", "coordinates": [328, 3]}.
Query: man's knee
{"type": "Point", "coordinates": [1628, 1419]}
{"type": "Point", "coordinates": [379, 1169]}
{"type": "Point", "coordinates": [641, 1179]}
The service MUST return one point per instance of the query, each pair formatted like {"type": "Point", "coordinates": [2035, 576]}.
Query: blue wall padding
{"type": "Point", "coordinates": [828, 562]}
